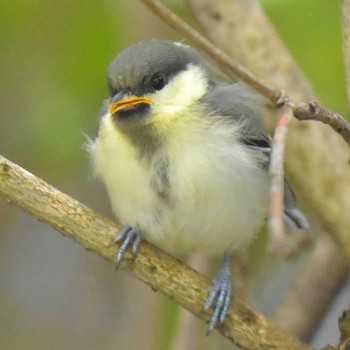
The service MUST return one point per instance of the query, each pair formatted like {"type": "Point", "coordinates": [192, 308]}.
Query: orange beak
{"type": "Point", "coordinates": [128, 104]}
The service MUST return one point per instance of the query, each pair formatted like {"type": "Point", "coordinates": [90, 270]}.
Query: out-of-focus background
{"type": "Point", "coordinates": [53, 60]}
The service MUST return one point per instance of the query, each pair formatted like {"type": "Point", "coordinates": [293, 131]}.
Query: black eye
{"type": "Point", "coordinates": [158, 82]}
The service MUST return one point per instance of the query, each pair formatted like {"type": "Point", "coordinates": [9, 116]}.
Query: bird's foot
{"type": "Point", "coordinates": [128, 235]}
{"type": "Point", "coordinates": [220, 295]}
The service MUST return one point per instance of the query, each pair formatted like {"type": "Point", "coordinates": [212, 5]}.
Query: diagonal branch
{"type": "Point", "coordinates": [235, 70]}
{"type": "Point", "coordinates": [241, 29]}
{"type": "Point", "coordinates": [225, 62]}
{"type": "Point", "coordinates": [159, 270]}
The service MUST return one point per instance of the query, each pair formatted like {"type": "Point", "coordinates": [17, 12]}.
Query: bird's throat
{"type": "Point", "coordinates": [146, 140]}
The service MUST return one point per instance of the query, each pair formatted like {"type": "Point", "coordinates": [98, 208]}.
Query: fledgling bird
{"type": "Point", "coordinates": [184, 158]}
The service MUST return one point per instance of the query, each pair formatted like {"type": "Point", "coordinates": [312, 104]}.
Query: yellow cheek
{"type": "Point", "coordinates": [179, 100]}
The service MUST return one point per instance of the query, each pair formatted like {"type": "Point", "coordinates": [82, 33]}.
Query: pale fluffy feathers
{"type": "Point", "coordinates": [217, 189]}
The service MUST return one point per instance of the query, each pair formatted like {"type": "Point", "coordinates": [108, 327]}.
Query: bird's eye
{"type": "Point", "coordinates": [158, 82]}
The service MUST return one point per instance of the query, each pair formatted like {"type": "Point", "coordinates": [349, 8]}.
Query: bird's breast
{"type": "Point", "coordinates": [205, 191]}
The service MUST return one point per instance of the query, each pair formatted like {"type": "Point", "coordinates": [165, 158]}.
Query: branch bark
{"type": "Point", "coordinates": [227, 64]}
{"type": "Point", "coordinates": [240, 28]}
{"type": "Point", "coordinates": [275, 221]}
{"type": "Point", "coordinates": [314, 111]}
{"type": "Point", "coordinates": [163, 273]}
{"type": "Point", "coordinates": [232, 69]}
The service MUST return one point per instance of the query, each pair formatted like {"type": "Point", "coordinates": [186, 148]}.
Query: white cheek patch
{"type": "Point", "coordinates": [185, 89]}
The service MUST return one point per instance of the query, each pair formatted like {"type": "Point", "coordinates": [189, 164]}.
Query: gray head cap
{"type": "Point", "coordinates": [136, 65]}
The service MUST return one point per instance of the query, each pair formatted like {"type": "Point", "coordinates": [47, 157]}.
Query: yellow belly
{"type": "Point", "coordinates": [218, 193]}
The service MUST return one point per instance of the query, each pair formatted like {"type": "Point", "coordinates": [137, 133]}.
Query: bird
{"type": "Point", "coordinates": [184, 157]}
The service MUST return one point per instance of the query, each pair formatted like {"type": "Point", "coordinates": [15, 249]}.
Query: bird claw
{"type": "Point", "coordinates": [219, 297]}
{"type": "Point", "coordinates": [127, 235]}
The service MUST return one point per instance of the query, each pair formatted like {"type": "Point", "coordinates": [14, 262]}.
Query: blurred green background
{"type": "Point", "coordinates": [53, 59]}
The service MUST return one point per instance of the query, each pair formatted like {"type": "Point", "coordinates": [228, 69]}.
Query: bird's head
{"type": "Point", "coordinates": [154, 83]}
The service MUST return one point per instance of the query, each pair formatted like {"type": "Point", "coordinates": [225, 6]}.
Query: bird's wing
{"type": "Point", "coordinates": [242, 105]}
{"type": "Point", "coordinates": [239, 104]}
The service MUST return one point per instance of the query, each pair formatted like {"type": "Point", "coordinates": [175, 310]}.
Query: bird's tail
{"type": "Point", "coordinates": [294, 219]}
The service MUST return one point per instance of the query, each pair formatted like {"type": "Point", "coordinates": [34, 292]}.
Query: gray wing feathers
{"type": "Point", "coordinates": [237, 102]}
{"type": "Point", "coordinates": [294, 219]}
{"type": "Point", "coordinates": [240, 104]}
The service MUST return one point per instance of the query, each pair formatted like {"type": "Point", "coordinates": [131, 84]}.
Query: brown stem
{"type": "Point", "coordinates": [280, 243]}
{"type": "Point", "coordinates": [232, 68]}
{"type": "Point", "coordinates": [314, 111]}
{"type": "Point", "coordinates": [275, 220]}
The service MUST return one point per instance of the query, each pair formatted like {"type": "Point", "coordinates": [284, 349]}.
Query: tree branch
{"type": "Point", "coordinates": [275, 220]}
{"type": "Point", "coordinates": [314, 111]}
{"type": "Point", "coordinates": [280, 243]}
{"type": "Point", "coordinates": [240, 28]}
{"type": "Point", "coordinates": [231, 67]}
{"type": "Point", "coordinates": [163, 273]}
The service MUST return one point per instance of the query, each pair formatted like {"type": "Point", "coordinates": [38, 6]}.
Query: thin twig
{"type": "Point", "coordinates": [314, 111]}
{"type": "Point", "coordinates": [253, 43]}
{"type": "Point", "coordinates": [163, 273]}
{"type": "Point", "coordinates": [232, 68]}
{"type": "Point", "coordinates": [280, 243]}
{"type": "Point", "coordinates": [275, 220]}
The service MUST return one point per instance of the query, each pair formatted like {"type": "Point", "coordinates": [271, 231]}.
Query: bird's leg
{"type": "Point", "coordinates": [128, 235]}
{"type": "Point", "coordinates": [220, 294]}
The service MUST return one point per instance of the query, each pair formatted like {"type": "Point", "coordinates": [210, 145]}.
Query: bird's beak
{"type": "Point", "coordinates": [127, 104]}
